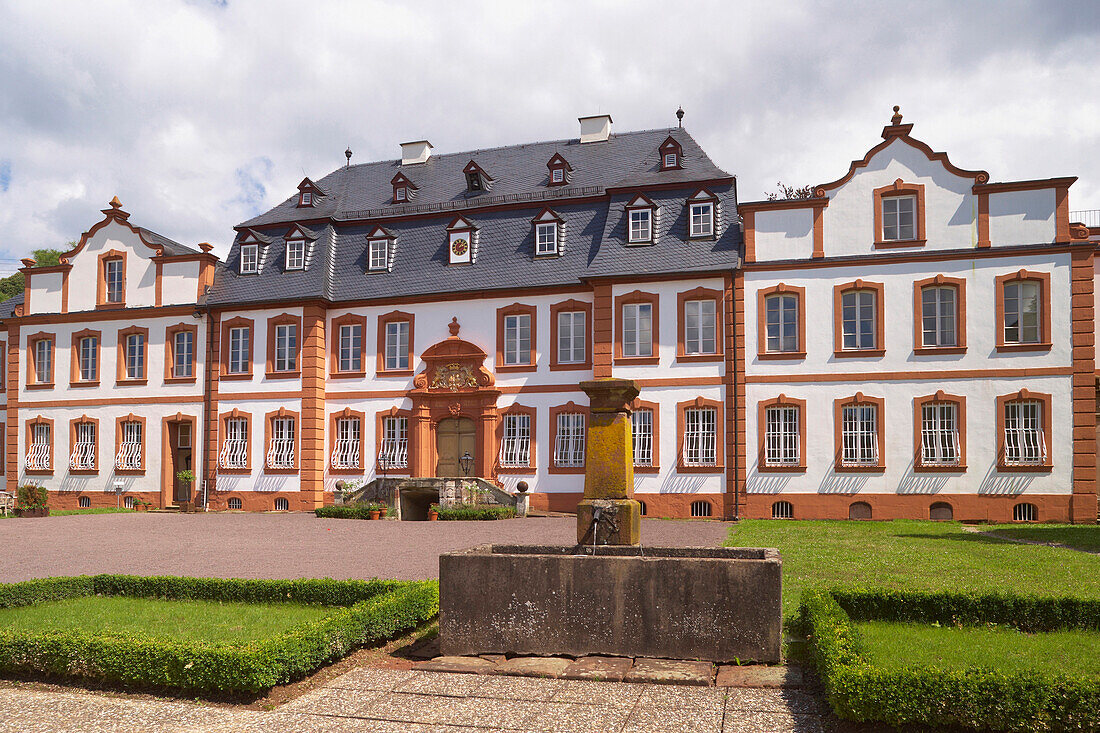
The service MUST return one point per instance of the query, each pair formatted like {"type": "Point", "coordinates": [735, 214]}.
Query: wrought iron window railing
{"type": "Point", "coordinates": [234, 454]}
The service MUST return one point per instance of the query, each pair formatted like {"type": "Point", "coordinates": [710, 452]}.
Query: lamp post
{"type": "Point", "coordinates": [465, 461]}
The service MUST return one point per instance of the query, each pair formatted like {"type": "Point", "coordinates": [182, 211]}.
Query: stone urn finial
{"type": "Point", "coordinates": [453, 326]}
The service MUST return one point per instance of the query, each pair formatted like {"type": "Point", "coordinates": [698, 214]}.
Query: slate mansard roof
{"type": "Point", "coordinates": [604, 178]}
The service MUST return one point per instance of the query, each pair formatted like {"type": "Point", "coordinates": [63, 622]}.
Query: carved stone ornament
{"type": "Point", "coordinates": [456, 409]}
{"type": "Point", "coordinates": [454, 377]}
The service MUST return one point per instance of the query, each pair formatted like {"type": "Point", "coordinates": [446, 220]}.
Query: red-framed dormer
{"type": "Point", "coordinates": [308, 191]}
{"type": "Point", "coordinates": [672, 154]}
{"type": "Point", "coordinates": [404, 190]}
{"type": "Point", "coordinates": [477, 180]}
{"type": "Point", "coordinates": [560, 171]}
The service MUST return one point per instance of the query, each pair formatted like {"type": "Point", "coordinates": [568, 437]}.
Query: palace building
{"type": "Point", "coordinates": [911, 341]}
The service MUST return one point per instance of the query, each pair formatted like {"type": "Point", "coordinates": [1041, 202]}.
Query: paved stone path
{"type": "Point", "coordinates": [410, 701]}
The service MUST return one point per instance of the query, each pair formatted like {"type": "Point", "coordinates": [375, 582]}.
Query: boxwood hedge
{"type": "Point", "coordinates": [364, 613]}
{"type": "Point", "coordinates": [977, 698]}
{"type": "Point", "coordinates": [464, 512]}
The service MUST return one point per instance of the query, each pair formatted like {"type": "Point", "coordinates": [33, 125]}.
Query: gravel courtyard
{"type": "Point", "coordinates": [281, 545]}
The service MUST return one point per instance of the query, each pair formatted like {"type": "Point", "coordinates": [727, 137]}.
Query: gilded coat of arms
{"type": "Point", "coordinates": [453, 377]}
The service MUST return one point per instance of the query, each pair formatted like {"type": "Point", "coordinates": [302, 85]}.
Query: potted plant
{"type": "Point", "coordinates": [375, 511]}
{"type": "Point", "coordinates": [382, 509]}
{"type": "Point", "coordinates": [433, 513]}
{"type": "Point", "coordinates": [32, 501]}
{"type": "Point", "coordinates": [187, 478]}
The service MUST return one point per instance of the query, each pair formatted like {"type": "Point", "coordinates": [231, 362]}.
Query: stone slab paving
{"type": "Point", "coordinates": [417, 701]}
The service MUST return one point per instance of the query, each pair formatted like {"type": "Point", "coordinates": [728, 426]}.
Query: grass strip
{"type": "Point", "coordinates": [1079, 536]}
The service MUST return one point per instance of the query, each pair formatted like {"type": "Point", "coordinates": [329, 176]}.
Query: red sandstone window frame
{"type": "Point", "coordinates": [223, 434]}
{"type": "Point", "coordinates": [1043, 279]}
{"type": "Point", "coordinates": [631, 298]}
{"type": "Point", "coordinates": [226, 328]}
{"type": "Point", "coordinates": [118, 445]}
{"type": "Point", "coordinates": [719, 436]}
{"type": "Point", "coordinates": [346, 414]}
{"type": "Point", "coordinates": [839, 291]}
{"type": "Point", "coordinates": [284, 319]}
{"type": "Point", "coordinates": [838, 433]}
{"type": "Point", "coordinates": [699, 294]}
{"type": "Point", "coordinates": [762, 465]}
{"type": "Point", "coordinates": [32, 354]}
{"type": "Point", "coordinates": [170, 353]}
{"type": "Point", "coordinates": [762, 295]}
{"type": "Point", "coordinates": [570, 406]}
{"type": "Point", "coordinates": [269, 433]}
{"type": "Point", "coordinates": [570, 306]}
{"type": "Point", "coordinates": [122, 373]}
{"type": "Point", "coordinates": [532, 456]}
{"type": "Point", "coordinates": [655, 408]}
{"type": "Point", "coordinates": [75, 379]}
{"type": "Point", "coordinates": [102, 303]}
{"type": "Point", "coordinates": [83, 419]}
{"type": "Point", "coordinates": [940, 397]}
{"type": "Point", "coordinates": [1046, 402]}
{"type": "Point", "coordinates": [383, 321]}
{"type": "Point", "coordinates": [29, 440]}
{"type": "Point", "coordinates": [898, 189]}
{"type": "Point", "coordinates": [517, 309]}
{"type": "Point", "coordinates": [410, 446]}
{"type": "Point", "coordinates": [939, 281]}
{"type": "Point", "coordinates": [348, 319]}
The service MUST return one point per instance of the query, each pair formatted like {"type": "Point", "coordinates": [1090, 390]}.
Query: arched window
{"type": "Point", "coordinates": [282, 505]}
{"type": "Point", "coordinates": [128, 502]}
{"type": "Point", "coordinates": [235, 504]}
{"type": "Point", "coordinates": [859, 510]}
{"type": "Point", "coordinates": [1025, 512]}
{"type": "Point", "coordinates": [700, 508]}
{"type": "Point", "coordinates": [942, 511]}
{"type": "Point", "coordinates": [782, 510]}
{"type": "Point", "coordinates": [84, 502]}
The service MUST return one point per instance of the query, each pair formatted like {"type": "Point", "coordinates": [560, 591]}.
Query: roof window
{"type": "Point", "coordinates": [559, 170]}
{"type": "Point", "coordinates": [671, 154]}
{"type": "Point", "coordinates": [477, 180]}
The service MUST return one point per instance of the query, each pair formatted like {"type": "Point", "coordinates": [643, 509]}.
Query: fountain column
{"type": "Point", "coordinates": [608, 514]}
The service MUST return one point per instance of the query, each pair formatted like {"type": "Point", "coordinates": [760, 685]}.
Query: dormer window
{"type": "Point", "coordinates": [461, 242]}
{"type": "Point", "coordinates": [702, 214]}
{"type": "Point", "coordinates": [250, 259]}
{"type": "Point", "coordinates": [640, 221]}
{"type": "Point", "coordinates": [296, 255]}
{"type": "Point", "coordinates": [557, 175]}
{"type": "Point", "coordinates": [308, 191]}
{"type": "Point", "coordinates": [378, 249]}
{"type": "Point", "coordinates": [559, 170]}
{"type": "Point", "coordinates": [400, 194]}
{"type": "Point", "coordinates": [670, 160]}
{"type": "Point", "coordinates": [305, 198]}
{"type": "Point", "coordinates": [473, 181]}
{"type": "Point", "coordinates": [477, 180]}
{"type": "Point", "coordinates": [403, 189]}
{"type": "Point", "coordinates": [549, 230]}
{"type": "Point", "coordinates": [671, 154]}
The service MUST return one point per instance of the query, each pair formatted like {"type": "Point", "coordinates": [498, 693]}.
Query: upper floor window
{"type": "Point", "coordinates": [899, 215]}
{"type": "Point", "coordinates": [641, 225]}
{"type": "Point", "coordinates": [114, 277]}
{"type": "Point", "coordinates": [286, 347]}
{"type": "Point", "coordinates": [240, 352]}
{"type": "Point", "coordinates": [939, 309]}
{"type": "Point", "coordinates": [295, 255]}
{"type": "Point", "coordinates": [134, 350]}
{"type": "Point", "coordinates": [571, 337]}
{"type": "Point", "coordinates": [517, 339]}
{"type": "Point", "coordinates": [43, 360]}
{"type": "Point", "coordinates": [308, 191]}
{"type": "Point", "coordinates": [858, 313]}
{"type": "Point", "coordinates": [781, 322]}
{"type": "Point", "coordinates": [88, 357]}
{"type": "Point", "coordinates": [403, 188]}
{"type": "Point", "coordinates": [899, 218]}
{"type": "Point", "coordinates": [250, 259]}
{"type": "Point", "coordinates": [637, 324]}
{"type": "Point", "coordinates": [306, 198]}
{"type": "Point", "coordinates": [397, 345]}
{"type": "Point", "coordinates": [670, 160]}
{"type": "Point", "coordinates": [671, 153]}
{"type": "Point", "coordinates": [702, 220]}
{"type": "Point", "coordinates": [183, 354]}
{"type": "Point", "coordinates": [351, 347]}
{"type": "Point", "coordinates": [378, 254]}
{"type": "Point", "coordinates": [546, 238]}
{"type": "Point", "coordinates": [559, 170]}
{"type": "Point", "coordinates": [700, 327]}
{"type": "Point", "coordinates": [1022, 307]}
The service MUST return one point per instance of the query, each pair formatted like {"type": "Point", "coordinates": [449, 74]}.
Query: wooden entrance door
{"type": "Point", "coordinates": [454, 437]}
{"type": "Point", "coordinates": [179, 453]}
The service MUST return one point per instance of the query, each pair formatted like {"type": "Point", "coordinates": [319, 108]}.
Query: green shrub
{"type": "Point", "coordinates": [29, 592]}
{"type": "Point", "coordinates": [974, 698]}
{"type": "Point", "coordinates": [31, 497]}
{"type": "Point", "coordinates": [474, 512]}
{"type": "Point", "coordinates": [348, 511]}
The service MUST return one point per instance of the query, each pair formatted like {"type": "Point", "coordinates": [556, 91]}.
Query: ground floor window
{"type": "Point", "coordinates": [641, 426]}
{"type": "Point", "coordinates": [700, 508]}
{"type": "Point", "coordinates": [781, 436]}
{"type": "Point", "coordinates": [345, 451]}
{"type": "Point", "coordinates": [1024, 442]}
{"type": "Point", "coordinates": [129, 449]}
{"type": "Point", "coordinates": [394, 452]}
{"type": "Point", "coordinates": [235, 503]}
{"type": "Point", "coordinates": [84, 449]}
{"type": "Point", "coordinates": [940, 434]}
{"type": "Point", "coordinates": [83, 502]}
{"type": "Point", "coordinates": [782, 510]}
{"type": "Point", "coordinates": [280, 454]}
{"type": "Point", "coordinates": [859, 435]}
{"type": "Point", "coordinates": [234, 452]}
{"type": "Point", "coordinates": [515, 447]}
{"type": "Point", "coordinates": [38, 452]}
{"type": "Point", "coordinates": [569, 445]}
{"type": "Point", "coordinates": [700, 437]}
{"type": "Point", "coordinates": [282, 505]}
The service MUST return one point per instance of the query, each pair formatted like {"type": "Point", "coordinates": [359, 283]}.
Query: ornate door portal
{"type": "Point", "coordinates": [454, 437]}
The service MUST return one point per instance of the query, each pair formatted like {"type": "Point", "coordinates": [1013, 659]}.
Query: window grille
{"type": "Point", "coordinates": [558, 175]}
{"type": "Point", "coordinates": [517, 339]}
{"type": "Point", "coordinates": [135, 356]}
{"type": "Point", "coordinates": [546, 238]}
{"type": "Point", "coordinates": [89, 359]}
{"type": "Point", "coordinates": [571, 346]}
{"type": "Point", "coordinates": [234, 452]}
{"type": "Point", "coordinates": [702, 220]}
{"type": "Point", "coordinates": [239, 347]}
{"type": "Point", "coordinates": [38, 454]}
{"type": "Point", "coordinates": [781, 322]}
{"type": "Point", "coordinates": [280, 454]}
{"type": "Point", "coordinates": [250, 259]}
{"type": "Point", "coordinates": [641, 428]}
{"type": "Point", "coordinates": [940, 434]}
{"type": "Point", "coordinates": [83, 502]}
{"type": "Point", "coordinates": [378, 247]}
{"type": "Point", "coordinates": [670, 160]}
{"type": "Point", "coordinates": [394, 453]}
{"type": "Point", "coordinates": [700, 436]}
{"type": "Point", "coordinates": [183, 353]}
{"type": "Point", "coordinates": [295, 255]}
{"type": "Point", "coordinates": [83, 456]}
{"type": "Point", "coordinates": [128, 502]}
{"type": "Point", "coordinates": [351, 347]}
{"type": "Point", "coordinates": [637, 329]}
{"type": "Point", "coordinates": [859, 435]}
{"type": "Point", "coordinates": [640, 225]}
{"type": "Point", "coordinates": [569, 444]}
{"type": "Point", "coordinates": [1021, 312]}
{"type": "Point", "coordinates": [345, 452]}
{"type": "Point", "coordinates": [1025, 444]}
{"type": "Point", "coordinates": [899, 218]}
{"type": "Point", "coordinates": [515, 448]}
{"type": "Point", "coordinates": [286, 347]}
{"type": "Point", "coordinates": [700, 327]}
{"type": "Point", "coordinates": [938, 316]}
{"type": "Point", "coordinates": [129, 450]}
{"type": "Point", "coordinates": [282, 505]}
{"type": "Point", "coordinates": [113, 277]}
{"type": "Point", "coordinates": [858, 319]}
{"type": "Point", "coordinates": [1025, 512]}
{"type": "Point", "coordinates": [643, 507]}
{"type": "Point", "coordinates": [700, 508]}
{"type": "Point", "coordinates": [782, 436]}
{"type": "Point", "coordinates": [397, 345]}
{"type": "Point", "coordinates": [43, 361]}
{"type": "Point", "coordinates": [782, 510]}
{"type": "Point", "coordinates": [235, 503]}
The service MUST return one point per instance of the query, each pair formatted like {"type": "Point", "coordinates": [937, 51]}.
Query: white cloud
{"type": "Point", "coordinates": [198, 115]}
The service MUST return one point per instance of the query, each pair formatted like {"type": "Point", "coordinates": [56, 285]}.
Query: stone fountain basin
{"type": "Point", "coordinates": [714, 603]}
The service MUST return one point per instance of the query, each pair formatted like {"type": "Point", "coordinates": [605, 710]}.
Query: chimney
{"type": "Point", "coordinates": [595, 129]}
{"type": "Point", "coordinates": [415, 152]}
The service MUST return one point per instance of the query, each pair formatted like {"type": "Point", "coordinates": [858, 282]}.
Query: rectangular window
{"type": "Point", "coordinates": [397, 345]}
{"type": "Point", "coordinates": [89, 359]}
{"type": "Point", "coordinates": [700, 327]}
{"type": "Point", "coordinates": [345, 452]}
{"type": "Point", "coordinates": [400, 193]}
{"type": "Point", "coordinates": [307, 198]}
{"type": "Point", "coordinates": [1025, 443]}
{"type": "Point", "coordinates": [235, 448]}
{"type": "Point", "coordinates": [557, 175]}
{"type": "Point", "coordinates": [250, 259]}
{"type": "Point", "coordinates": [939, 434]}
{"type": "Point", "coordinates": [83, 456]}
{"type": "Point", "coordinates": [280, 454]}
{"type": "Point", "coordinates": [638, 329]}
{"type": "Point", "coordinates": [546, 239]}
{"type": "Point", "coordinates": [700, 436]}
{"type": "Point", "coordinates": [899, 216]}
{"type": "Point", "coordinates": [569, 445]}
{"type": "Point", "coordinates": [515, 448]}
{"type": "Point", "coordinates": [781, 323]}
{"type": "Point", "coordinates": [1022, 310]}
{"type": "Point", "coordinates": [938, 316]}
{"type": "Point", "coordinates": [135, 356]}
{"type": "Point", "coordinates": [43, 361]}
{"type": "Point", "coordinates": [286, 347]}
{"type": "Point", "coordinates": [641, 428]}
{"type": "Point", "coordinates": [571, 346]}
{"type": "Point", "coordinates": [129, 450]}
{"type": "Point", "coordinates": [112, 276]}
{"type": "Point", "coordinates": [858, 319]}
{"type": "Point", "coordinates": [378, 253]}
{"type": "Point", "coordinates": [781, 436]}
{"type": "Point", "coordinates": [517, 339]}
{"type": "Point", "coordinates": [38, 456]}
{"type": "Point", "coordinates": [351, 347]}
{"type": "Point", "coordinates": [183, 435]}
{"type": "Point", "coordinates": [702, 220]}
{"type": "Point", "coordinates": [183, 354]}
{"type": "Point", "coordinates": [394, 453]}
{"type": "Point", "coordinates": [670, 160]}
{"type": "Point", "coordinates": [239, 339]}
{"type": "Point", "coordinates": [859, 435]}
{"type": "Point", "coordinates": [295, 255]}
{"type": "Point", "coordinates": [640, 225]}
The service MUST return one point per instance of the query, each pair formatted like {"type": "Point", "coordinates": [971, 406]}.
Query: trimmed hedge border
{"type": "Point", "coordinates": [977, 698]}
{"type": "Point", "coordinates": [474, 512]}
{"type": "Point", "coordinates": [367, 612]}
{"type": "Point", "coordinates": [347, 511]}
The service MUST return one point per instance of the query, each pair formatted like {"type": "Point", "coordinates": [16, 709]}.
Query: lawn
{"type": "Point", "coordinates": [912, 555]}
{"type": "Point", "coordinates": [896, 646]}
{"type": "Point", "coordinates": [1081, 536]}
{"type": "Point", "coordinates": [177, 620]}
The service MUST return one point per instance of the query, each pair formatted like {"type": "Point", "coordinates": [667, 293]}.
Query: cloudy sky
{"type": "Point", "coordinates": [201, 114]}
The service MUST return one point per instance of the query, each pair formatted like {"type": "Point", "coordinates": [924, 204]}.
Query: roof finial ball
{"type": "Point", "coordinates": [896, 119]}
{"type": "Point", "coordinates": [680, 117]}
{"type": "Point", "coordinates": [347, 154]}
